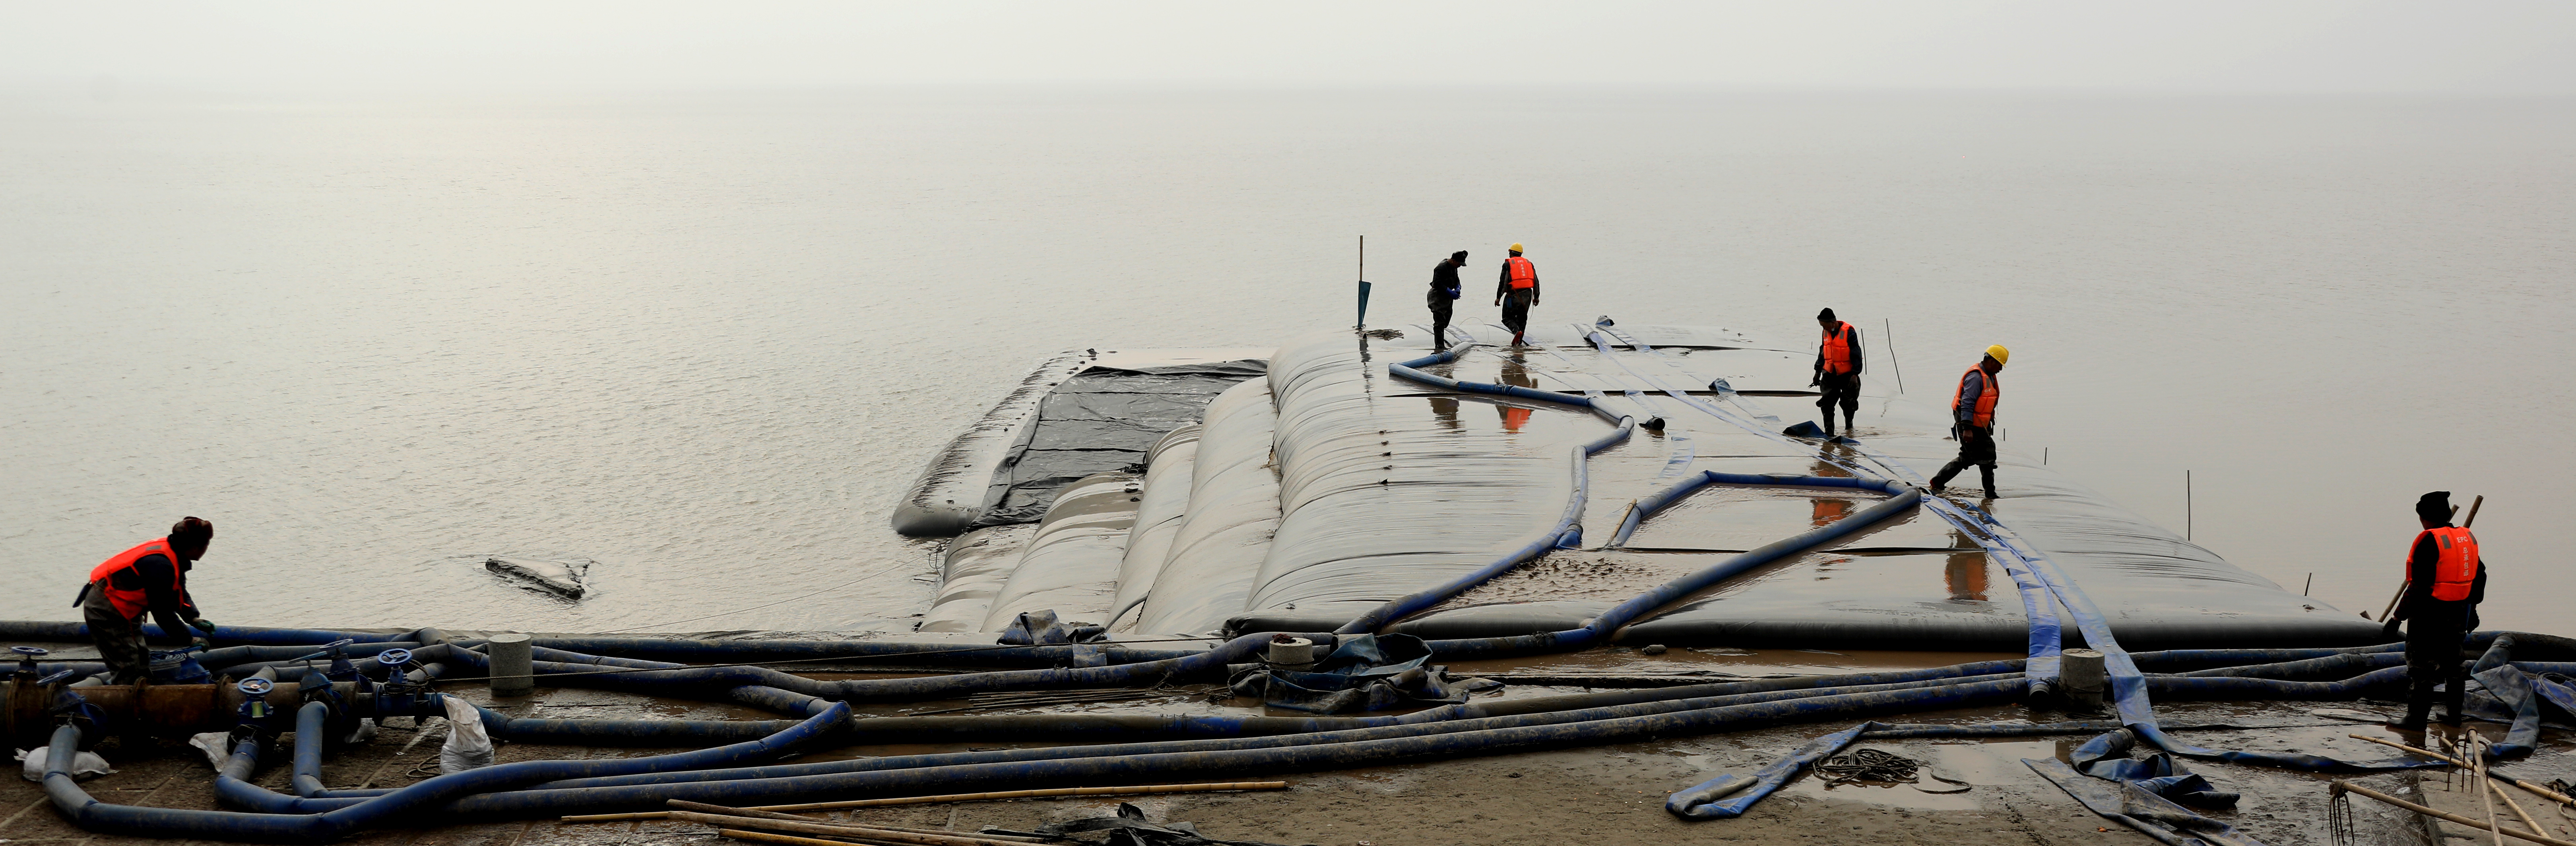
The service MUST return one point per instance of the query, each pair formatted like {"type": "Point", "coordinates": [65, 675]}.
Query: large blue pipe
{"type": "Point", "coordinates": [284, 818]}
{"type": "Point", "coordinates": [1113, 769]}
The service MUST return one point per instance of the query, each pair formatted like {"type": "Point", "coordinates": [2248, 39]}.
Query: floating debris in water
{"type": "Point", "coordinates": [567, 579]}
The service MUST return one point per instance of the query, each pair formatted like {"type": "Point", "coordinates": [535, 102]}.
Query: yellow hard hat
{"type": "Point", "coordinates": [1516, 248]}
{"type": "Point", "coordinates": [1999, 354]}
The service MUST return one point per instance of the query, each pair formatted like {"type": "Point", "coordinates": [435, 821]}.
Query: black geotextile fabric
{"type": "Point", "coordinates": [1101, 420]}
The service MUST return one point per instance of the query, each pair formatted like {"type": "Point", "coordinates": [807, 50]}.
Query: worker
{"type": "Point", "coordinates": [153, 577]}
{"type": "Point", "coordinates": [2445, 581]}
{"type": "Point", "coordinates": [1972, 419]}
{"type": "Point", "coordinates": [1516, 293]}
{"type": "Point", "coordinates": [1838, 366]}
{"type": "Point", "coordinates": [1444, 291]}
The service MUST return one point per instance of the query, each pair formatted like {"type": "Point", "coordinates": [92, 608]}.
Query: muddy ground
{"type": "Point", "coordinates": [1610, 794]}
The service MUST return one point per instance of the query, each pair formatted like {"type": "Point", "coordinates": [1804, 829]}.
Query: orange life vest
{"type": "Point", "coordinates": [1985, 413]}
{"type": "Point", "coordinates": [1524, 274]}
{"type": "Point", "coordinates": [1838, 349]}
{"type": "Point", "coordinates": [132, 603]}
{"type": "Point", "coordinates": [2457, 569]}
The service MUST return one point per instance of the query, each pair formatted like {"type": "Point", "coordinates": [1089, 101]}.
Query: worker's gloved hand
{"type": "Point", "coordinates": [203, 625]}
{"type": "Point", "coordinates": [2389, 631]}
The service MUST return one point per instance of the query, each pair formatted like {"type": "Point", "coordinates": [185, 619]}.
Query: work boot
{"type": "Point", "coordinates": [1988, 474]}
{"type": "Point", "coordinates": [2416, 713]}
{"type": "Point", "coordinates": [1942, 479]}
{"type": "Point", "coordinates": [1848, 425]}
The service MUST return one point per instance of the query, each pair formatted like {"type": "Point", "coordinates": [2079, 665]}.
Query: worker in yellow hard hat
{"type": "Point", "coordinates": [1972, 416]}
{"type": "Point", "coordinates": [1516, 293]}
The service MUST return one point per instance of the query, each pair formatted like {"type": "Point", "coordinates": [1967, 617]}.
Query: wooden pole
{"type": "Point", "coordinates": [2536, 790]}
{"type": "Point", "coordinates": [1207, 787]}
{"type": "Point", "coordinates": [2342, 787]}
{"type": "Point", "coordinates": [870, 832]}
{"type": "Point", "coordinates": [1891, 354]}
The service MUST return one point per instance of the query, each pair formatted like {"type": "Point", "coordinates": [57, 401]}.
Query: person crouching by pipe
{"type": "Point", "coordinates": [152, 577]}
{"type": "Point", "coordinates": [2445, 581]}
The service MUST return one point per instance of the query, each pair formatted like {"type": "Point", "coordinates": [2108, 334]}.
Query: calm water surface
{"type": "Point", "coordinates": [706, 340]}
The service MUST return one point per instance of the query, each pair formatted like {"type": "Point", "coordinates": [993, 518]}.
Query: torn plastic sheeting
{"type": "Point", "coordinates": [1165, 501]}
{"type": "Point", "coordinates": [972, 571]}
{"type": "Point", "coordinates": [1071, 564]}
{"type": "Point", "coordinates": [2135, 807]}
{"type": "Point", "coordinates": [950, 492]}
{"type": "Point", "coordinates": [1227, 526]}
{"type": "Point", "coordinates": [2106, 757]}
{"type": "Point", "coordinates": [1386, 496]}
{"type": "Point", "coordinates": [1101, 420]}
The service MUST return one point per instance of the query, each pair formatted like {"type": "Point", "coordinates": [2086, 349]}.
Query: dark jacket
{"type": "Point", "coordinates": [2419, 602]}
{"type": "Point", "coordinates": [1444, 283]}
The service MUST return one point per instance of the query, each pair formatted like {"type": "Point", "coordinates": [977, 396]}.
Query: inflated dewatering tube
{"type": "Point", "coordinates": [949, 493]}
{"type": "Point", "coordinates": [1566, 532]}
{"type": "Point", "coordinates": [1606, 626]}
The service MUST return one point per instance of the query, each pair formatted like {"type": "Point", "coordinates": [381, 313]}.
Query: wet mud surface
{"type": "Point", "coordinates": [1607, 794]}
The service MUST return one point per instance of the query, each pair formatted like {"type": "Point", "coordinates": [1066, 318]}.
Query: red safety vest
{"type": "Point", "coordinates": [132, 603]}
{"type": "Point", "coordinates": [1838, 349]}
{"type": "Point", "coordinates": [1524, 274]}
{"type": "Point", "coordinates": [2457, 569]}
{"type": "Point", "coordinates": [1985, 415]}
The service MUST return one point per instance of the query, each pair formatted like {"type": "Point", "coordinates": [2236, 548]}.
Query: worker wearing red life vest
{"type": "Point", "coordinates": [1972, 413]}
{"type": "Point", "coordinates": [1516, 292]}
{"type": "Point", "coordinates": [1838, 366]}
{"type": "Point", "coordinates": [151, 578]}
{"type": "Point", "coordinates": [2445, 581]}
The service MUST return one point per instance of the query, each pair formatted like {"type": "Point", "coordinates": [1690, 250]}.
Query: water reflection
{"type": "Point", "coordinates": [1965, 575]}
{"type": "Point", "coordinates": [1515, 374]}
{"type": "Point", "coordinates": [1445, 409]}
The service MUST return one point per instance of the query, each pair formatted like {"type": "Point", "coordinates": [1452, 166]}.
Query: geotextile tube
{"type": "Point", "coordinates": [1161, 508]}
{"type": "Point", "coordinates": [949, 494]}
{"type": "Point", "coordinates": [1227, 526]}
{"type": "Point", "coordinates": [1070, 565]}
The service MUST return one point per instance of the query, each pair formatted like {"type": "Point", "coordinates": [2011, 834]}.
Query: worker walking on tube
{"type": "Point", "coordinates": [1444, 293]}
{"type": "Point", "coordinates": [1838, 366]}
{"type": "Point", "coordinates": [152, 577]}
{"type": "Point", "coordinates": [1516, 293]}
{"type": "Point", "coordinates": [2445, 581]}
{"type": "Point", "coordinates": [1972, 419]}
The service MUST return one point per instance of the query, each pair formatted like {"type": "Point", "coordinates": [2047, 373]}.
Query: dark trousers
{"type": "Point", "coordinates": [2433, 658]}
{"type": "Point", "coordinates": [1841, 389]}
{"type": "Point", "coordinates": [1516, 306]}
{"type": "Point", "coordinates": [1976, 447]}
{"type": "Point", "coordinates": [120, 640]}
{"type": "Point", "coordinates": [1439, 322]}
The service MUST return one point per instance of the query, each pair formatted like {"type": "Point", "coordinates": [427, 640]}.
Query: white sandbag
{"type": "Point", "coordinates": [214, 744]}
{"type": "Point", "coordinates": [468, 746]}
{"type": "Point", "coordinates": [85, 765]}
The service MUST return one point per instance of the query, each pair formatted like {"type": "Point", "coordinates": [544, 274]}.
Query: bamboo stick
{"type": "Point", "coordinates": [754, 813]}
{"type": "Point", "coordinates": [968, 797]}
{"type": "Point", "coordinates": [720, 821]}
{"type": "Point", "coordinates": [2347, 787]}
{"type": "Point", "coordinates": [2490, 780]}
{"type": "Point", "coordinates": [780, 838]}
{"type": "Point", "coordinates": [2478, 773]}
{"type": "Point", "coordinates": [2536, 790]}
{"type": "Point", "coordinates": [1033, 794]}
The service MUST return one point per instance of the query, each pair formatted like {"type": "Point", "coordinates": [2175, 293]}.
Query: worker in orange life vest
{"type": "Point", "coordinates": [1972, 418]}
{"type": "Point", "coordinates": [1516, 293]}
{"type": "Point", "coordinates": [150, 578]}
{"type": "Point", "coordinates": [2445, 581]}
{"type": "Point", "coordinates": [1838, 366]}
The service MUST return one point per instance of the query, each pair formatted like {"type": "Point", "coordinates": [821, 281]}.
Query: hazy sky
{"type": "Point", "coordinates": [2172, 45]}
